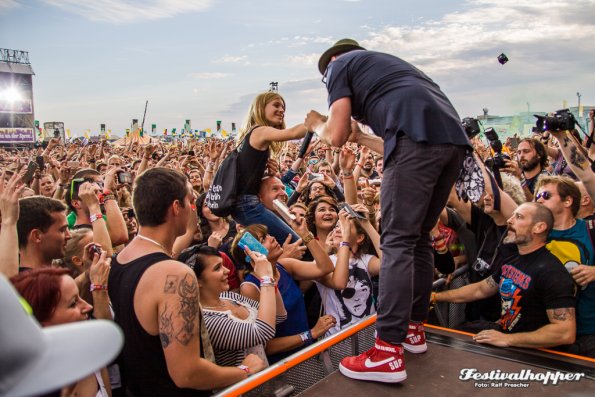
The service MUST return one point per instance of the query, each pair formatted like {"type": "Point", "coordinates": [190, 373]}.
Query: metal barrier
{"type": "Point", "coordinates": [298, 372]}
{"type": "Point", "coordinates": [286, 378]}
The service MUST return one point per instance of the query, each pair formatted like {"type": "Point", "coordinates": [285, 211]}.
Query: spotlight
{"type": "Point", "coordinates": [502, 58]}
{"type": "Point", "coordinates": [11, 94]}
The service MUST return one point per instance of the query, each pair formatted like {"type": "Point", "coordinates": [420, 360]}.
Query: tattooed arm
{"type": "Point", "coordinates": [576, 157]}
{"type": "Point", "coordinates": [179, 333]}
{"type": "Point", "coordinates": [560, 331]}
{"type": "Point", "coordinates": [469, 293]}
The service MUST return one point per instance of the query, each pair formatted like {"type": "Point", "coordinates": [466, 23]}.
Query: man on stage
{"type": "Point", "coordinates": [423, 144]}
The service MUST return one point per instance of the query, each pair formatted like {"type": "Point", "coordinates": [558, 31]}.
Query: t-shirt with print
{"type": "Point", "coordinates": [574, 246]}
{"type": "Point", "coordinates": [529, 285]}
{"type": "Point", "coordinates": [355, 301]}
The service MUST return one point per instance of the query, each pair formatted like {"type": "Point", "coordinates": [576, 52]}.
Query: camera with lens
{"type": "Point", "coordinates": [561, 120]}
{"type": "Point", "coordinates": [471, 127]}
{"type": "Point", "coordinates": [496, 146]}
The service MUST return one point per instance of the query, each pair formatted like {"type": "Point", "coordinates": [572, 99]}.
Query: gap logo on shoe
{"type": "Point", "coordinates": [415, 341]}
{"type": "Point", "coordinates": [382, 363]}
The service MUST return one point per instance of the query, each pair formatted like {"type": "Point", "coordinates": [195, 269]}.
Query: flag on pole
{"type": "Point", "coordinates": [173, 131]}
{"type": "Point", "coordinates": [108, 134]}
{"type": "Point", "coordinates": [218, 125]}
{"type": "Point", "coordinates": [141, 132]}
{"type": "Point", "coordinates": [224, 133]}
{"type": "Point", "coordinates": [86, 134]}
{"type": "Point", "coordinates": [127, 132]}
{"type": "Point", "coordinates": [68, 133]}
{"type": "Point", "coordinates": [153, 128]}
{"type": "Point", "coordinates": [165, 132]}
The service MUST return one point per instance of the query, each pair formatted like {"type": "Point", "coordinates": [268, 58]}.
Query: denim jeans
{"type": "Point", "coordinates": [250, 210]}
{"type": "Point", "coordinates": [416, 182]}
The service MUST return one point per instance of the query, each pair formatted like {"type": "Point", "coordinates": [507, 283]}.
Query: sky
{"type": "Point", "coordinates": [205, 60]}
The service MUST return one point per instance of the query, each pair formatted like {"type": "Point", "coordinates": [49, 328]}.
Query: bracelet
{"type": "Point", "coordinates": [95, 217]}
{"type": "Point", "coordinates": [267, 280]}
{"type": "Point", "coordinates": [307, 337]}
{"type": "Point", "coordinates": [109, 196]}
{"type": "Point", "coordinates": [432, 298]}
{"type": "Point", "coordinates": [347, 174]}
{"type": "Point", "coordinates": [308, 238]}
{"type": "Point", "coordinates": [244, 368]}
{"type": "Point", "coordinates": [98, 287]}
{"type": "Point", "coordinates": [344, 244]}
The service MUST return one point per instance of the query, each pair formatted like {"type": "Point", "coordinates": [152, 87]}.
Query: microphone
{"type": "Point", "coordinates": [305, 144]}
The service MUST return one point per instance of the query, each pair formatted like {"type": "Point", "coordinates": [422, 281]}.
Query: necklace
{"type": "Point", "coordinates": [154, 242]}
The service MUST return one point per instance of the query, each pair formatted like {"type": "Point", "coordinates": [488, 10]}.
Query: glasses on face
{"type": "Point", "coordinates": [313, 161]}
{"type": "Point", "coordinates": [544, 195]}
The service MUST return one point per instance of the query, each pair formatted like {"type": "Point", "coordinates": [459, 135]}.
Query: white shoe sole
{"type": "Point", "coordinates": [417, 349]}
{"type": "Point", "coordinates": [385, 377]}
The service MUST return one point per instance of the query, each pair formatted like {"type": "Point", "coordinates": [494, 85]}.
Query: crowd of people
{"type": "Point", "coordinates": [125, 234]}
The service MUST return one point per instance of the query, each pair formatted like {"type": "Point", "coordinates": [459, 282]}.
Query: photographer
{"type": "Point", "coordinates": [532, 162]}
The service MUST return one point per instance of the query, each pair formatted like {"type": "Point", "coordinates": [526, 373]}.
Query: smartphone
{"type": "Point", "coordinates": [283, 211]}
{"type": "Point", "coordinates": [374, 182]}
{"type": "Point", "coordinates": [73, 164]}
{"type": "Point", "coordinates": [315, 177]}
{"type": "Point", "coordinates": [130, 213]}
{"type": "Point", "coordinates": [40, 162]}
{"type": "Point", "coordinates": [248, 240]}
{"type": "Point", "coordinates": [191, 153]}
{"type": "Point", "coordinates": [350, 211]}
{"type": "Point", "coordinates": [95, 249]}
{"type": "Point", "coordinates": [31, 168]}
{"type": "Point", "coordinates": [124, 177]}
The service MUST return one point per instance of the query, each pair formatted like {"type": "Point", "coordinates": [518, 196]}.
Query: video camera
{"type": "Point", "coordinates": [471, 127]}
{"type": "Point", "coordinates": [561, 120]}
{"type": "Point", "coordinates": [496, 146]}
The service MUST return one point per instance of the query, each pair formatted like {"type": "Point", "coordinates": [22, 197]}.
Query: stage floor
{"type": "Point", "coordinates": [438, 372]}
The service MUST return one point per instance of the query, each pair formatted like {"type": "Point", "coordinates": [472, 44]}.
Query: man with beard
{"type": "Point", "coordinates": [367, 167]}
{"type": "Point", "coordinates": [532, 161]}
{"type": "Point", "coordinates": [537, 292]}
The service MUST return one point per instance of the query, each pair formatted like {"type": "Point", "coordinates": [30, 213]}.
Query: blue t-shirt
{"type": "Point", "coordinates": [574, 245]}
{"type": "Point", "coordinates": [392, 96]}
{"type": "Point", "coordinates": [297, 319]}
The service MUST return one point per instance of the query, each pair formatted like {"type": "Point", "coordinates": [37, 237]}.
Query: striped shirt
{"type": "Point", "coordinates": [231, 336]}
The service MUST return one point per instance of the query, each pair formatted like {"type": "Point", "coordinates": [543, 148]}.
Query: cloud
{"type": "Point", "coordinates": [307, 59]}
{"type": "Point", "coordinates": [130, 11]}
{"type": "Point", "coordinates": [234, 59]}
{"type": "Point", "coordinates": [209, 75]}
{"type": "Point", "coordinates": [6, 5]}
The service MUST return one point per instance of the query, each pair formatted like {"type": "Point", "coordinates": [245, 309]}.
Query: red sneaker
{"type": "Point", "coordinates": [415, 341]}
{"type": "Point", "coordinates": [382, 363]}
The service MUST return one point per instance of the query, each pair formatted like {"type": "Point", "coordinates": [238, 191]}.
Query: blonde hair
{"type": "Point", "coordinates": [256, 118]}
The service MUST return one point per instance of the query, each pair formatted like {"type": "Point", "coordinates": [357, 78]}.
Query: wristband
{"type": "Point", "coordinates": [95, 217]}
{"type": "Point", "coordinates": [307, 337]}
{"type": "Point", "coordinates": [107, 197]}
{"type": "Point", "coordinates": [98, 287]}
{"type": "Point", "coordinates": [347, 174]}
{"type": "Point", "coordinates": [267, 280]}
{"type": "Point", "coordinates": [432, 298]}
{"type": "Point", "coordinates": [244, 368]}
{"type": "Point", "coordinates": [344, 244]}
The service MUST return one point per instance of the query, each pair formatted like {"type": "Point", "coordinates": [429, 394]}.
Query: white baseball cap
{"type": "Point", "coordinates": [37, 360]}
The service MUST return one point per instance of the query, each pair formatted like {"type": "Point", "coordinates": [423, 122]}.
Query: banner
{"type": "Point", "coordinates": [17, 135]}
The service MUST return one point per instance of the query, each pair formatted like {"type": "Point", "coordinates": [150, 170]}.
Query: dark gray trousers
{"type": "Point", "coordinates": [416, 182]}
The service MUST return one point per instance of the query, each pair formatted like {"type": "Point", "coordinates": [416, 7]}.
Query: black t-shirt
{"type": "Point", "coordinates": [529, 285]}
{"type": "Point", "coordinates": [392, 96]}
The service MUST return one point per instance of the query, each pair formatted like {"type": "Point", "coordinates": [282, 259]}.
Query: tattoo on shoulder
{"type": "Point", "coordinates": [188, 292]}
{"type": "Point", "coordinates": [563, 314]}
{"type": "Point", "coordinates": [166, 327]}
{"type": "Point", "coordinates": [491, 282]}
{"type": "Point", "coordinates": [171, 284]}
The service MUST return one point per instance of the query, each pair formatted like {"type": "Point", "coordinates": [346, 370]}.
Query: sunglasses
{"type": "Point", "coordinates": [544, 195]}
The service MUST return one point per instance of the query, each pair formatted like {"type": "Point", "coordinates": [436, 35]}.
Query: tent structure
{"type": "Point", "coordinates": [135, 138]}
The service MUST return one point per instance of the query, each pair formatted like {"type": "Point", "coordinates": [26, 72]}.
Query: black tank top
{"type": "Point", "coordinates": [142, 362]}
{"type": "Point", "coordinates": [251, 166]}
